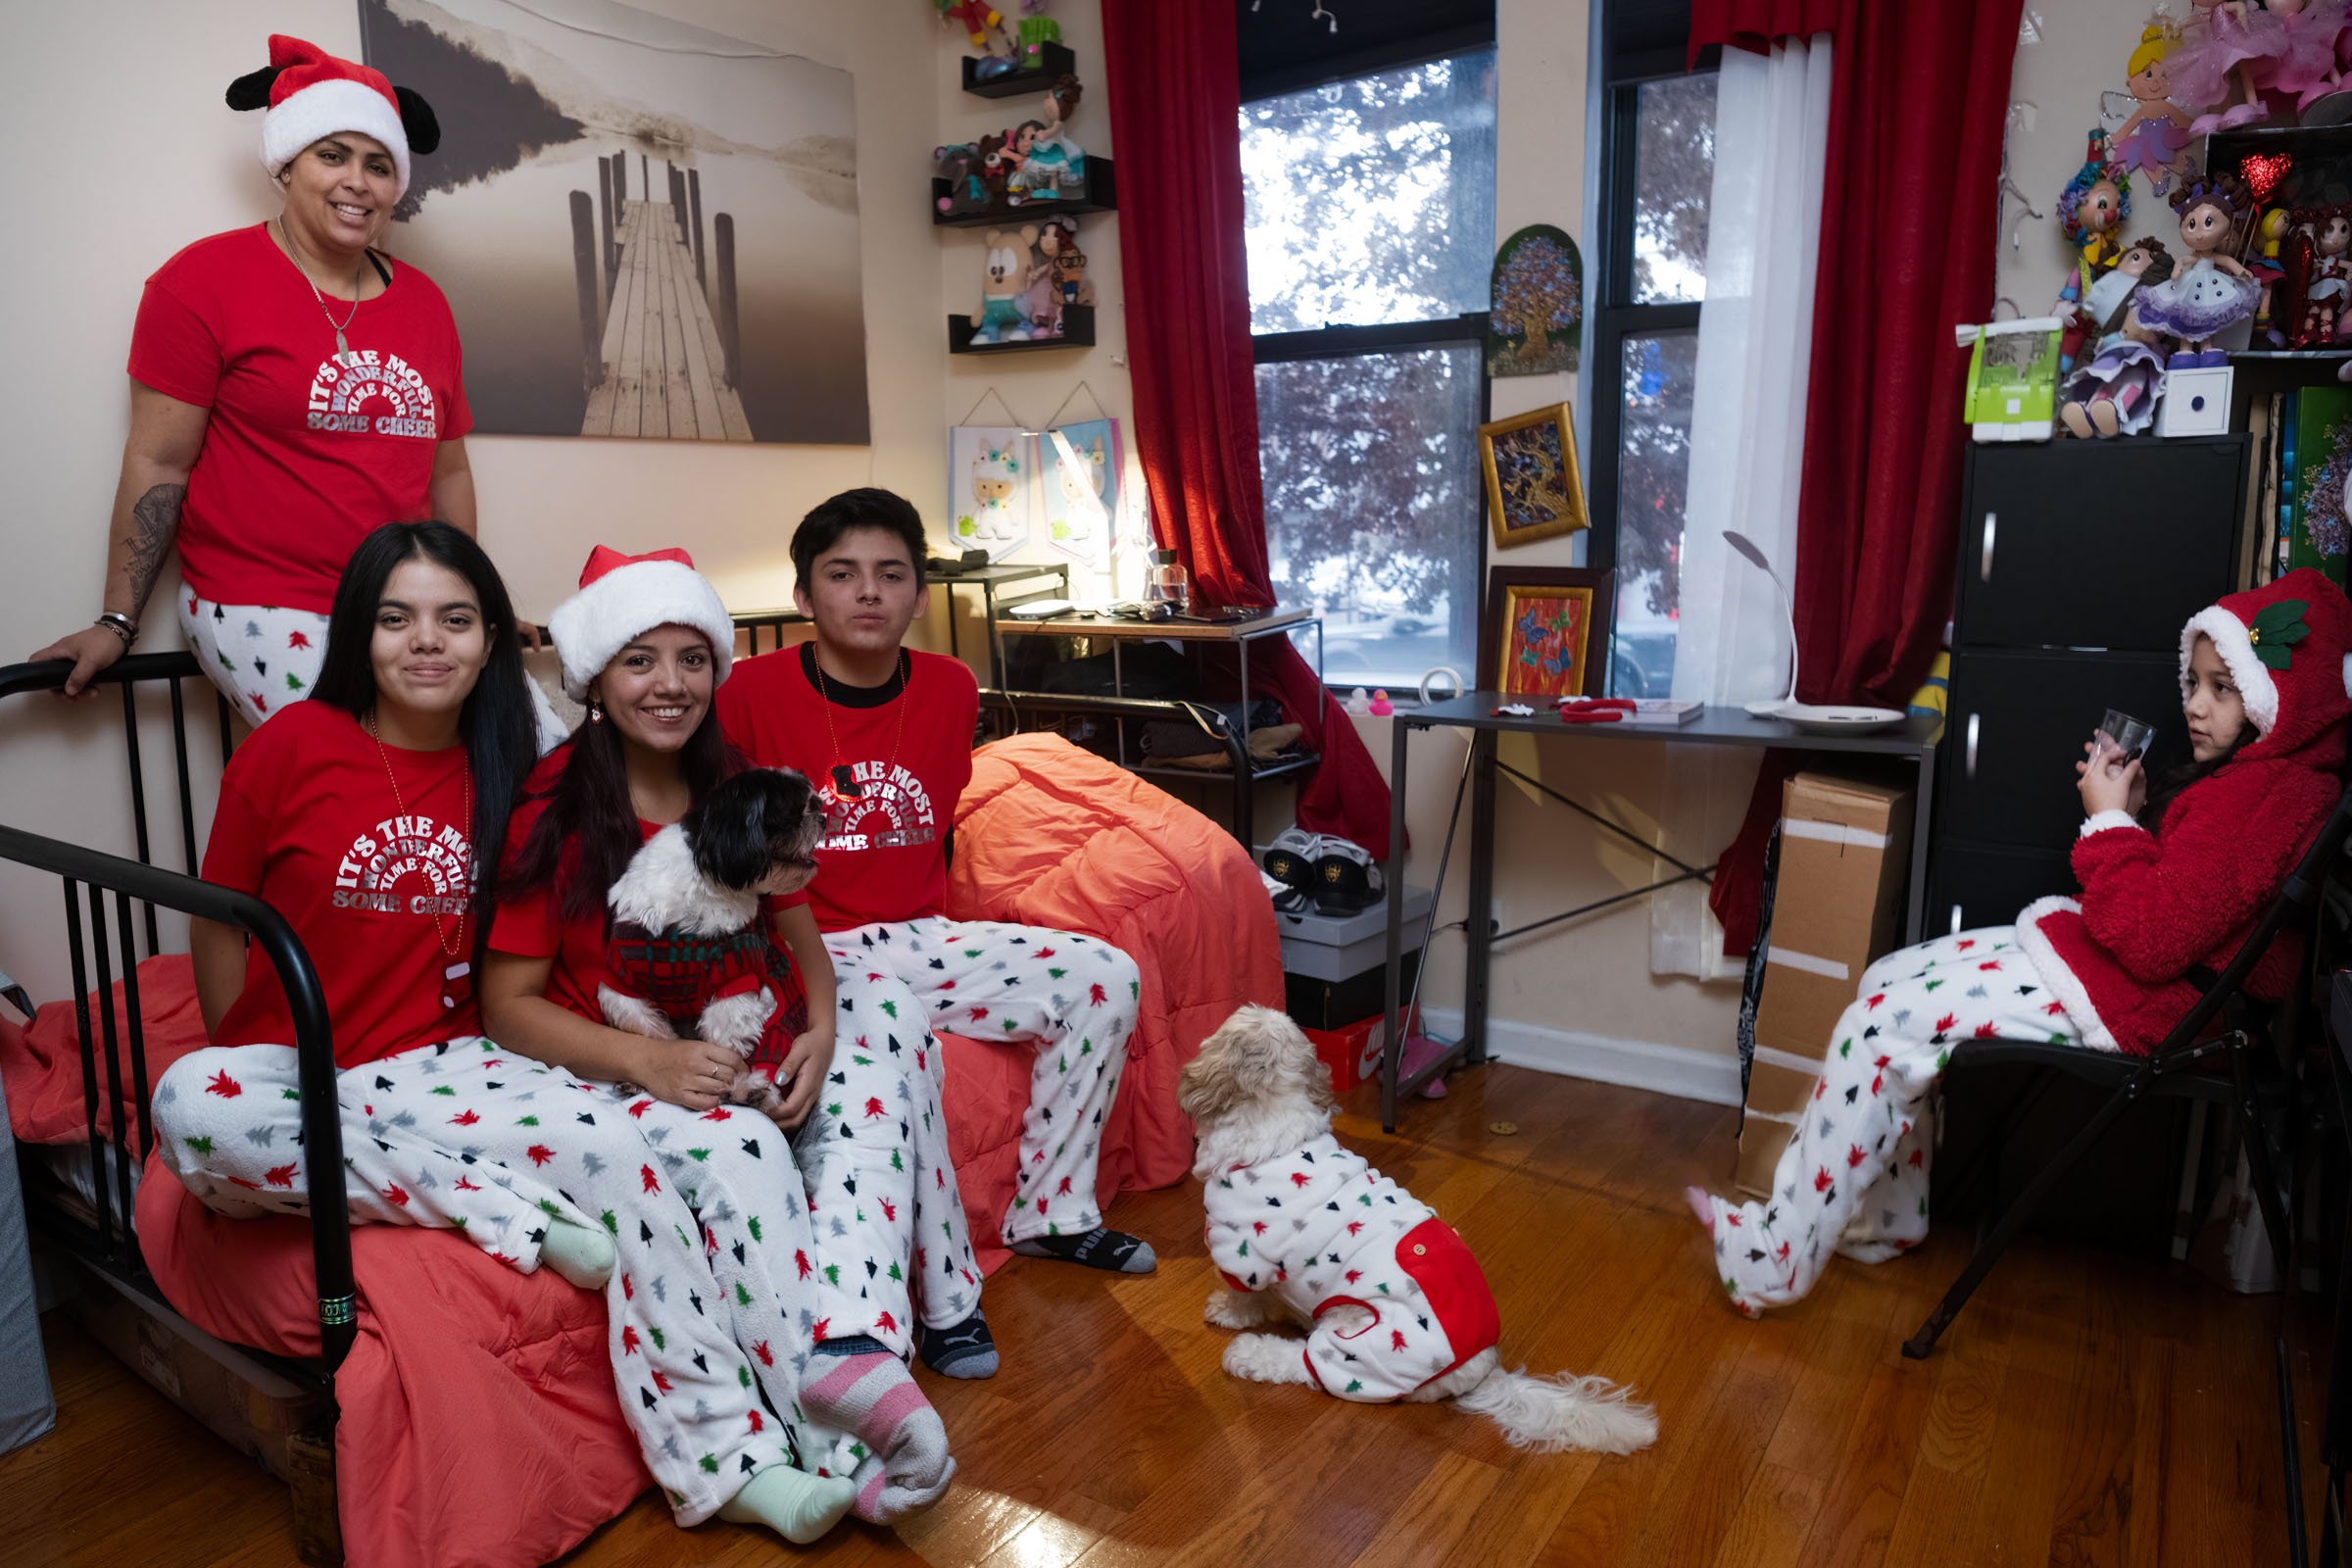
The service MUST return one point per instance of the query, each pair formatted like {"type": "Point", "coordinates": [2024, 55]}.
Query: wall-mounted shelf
{"type": "Point", "coordinates": [1101, 196]}
{"type": "Point", "coordinates": [1077, 332]}
{"type": "Point", "coordinates": [1053, 64]}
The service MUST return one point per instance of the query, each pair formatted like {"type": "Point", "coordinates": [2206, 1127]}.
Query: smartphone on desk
{"type": "Point", "coordinates": [1221, 616]}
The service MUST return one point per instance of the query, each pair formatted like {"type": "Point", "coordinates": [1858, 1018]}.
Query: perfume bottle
{"type": "Point", "coordinates": [1168, 583]}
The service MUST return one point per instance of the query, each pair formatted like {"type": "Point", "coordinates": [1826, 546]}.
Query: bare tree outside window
{"type": "Point", "coordinates": [1371, 202]}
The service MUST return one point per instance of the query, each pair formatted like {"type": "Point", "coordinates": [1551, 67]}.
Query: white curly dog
{"type": "Point", "coordinates": [1306, 1233]}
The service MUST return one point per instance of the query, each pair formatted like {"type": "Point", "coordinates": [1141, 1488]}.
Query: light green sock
{"type": "Point", "coordinates": [797, 1506]}
{"type": "Point", "coordinates": [583, 1255]}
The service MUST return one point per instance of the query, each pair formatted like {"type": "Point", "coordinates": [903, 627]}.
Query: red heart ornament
{"type": "Point", "coordinates": [2262, 172]}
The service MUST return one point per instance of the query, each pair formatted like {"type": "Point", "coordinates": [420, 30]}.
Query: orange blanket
{"type": "Point", "coordinates": [479, 1425]}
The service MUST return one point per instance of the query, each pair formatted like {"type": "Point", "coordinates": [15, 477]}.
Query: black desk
{"type": "Point", "coordinates": [1915, 738]}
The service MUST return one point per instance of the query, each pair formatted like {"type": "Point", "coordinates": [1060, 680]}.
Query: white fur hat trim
{"type": "Point", "coordinates": [325, 107]}
{"type": "Point", "coordinates": [2254, 684]}
{"type": "Point", "coordinates": [621, 605]}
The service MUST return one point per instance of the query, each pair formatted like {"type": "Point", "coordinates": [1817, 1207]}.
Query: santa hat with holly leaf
{"type": "Point", "coordinates": [307, 94]}
{"type": "Point", "coordinates": [2288, 648]}
{"type": "Point", "coordinates": [621, 598]}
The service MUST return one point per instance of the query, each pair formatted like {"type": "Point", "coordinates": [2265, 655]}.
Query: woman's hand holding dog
{"type": "Point", "coordinates": [804, 1067]}
{"type": "Point", "coordinates": [693, 1074]}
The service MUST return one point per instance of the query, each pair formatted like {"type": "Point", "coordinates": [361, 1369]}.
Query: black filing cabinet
{"type": "Point", "coordinates": [2078, 562]}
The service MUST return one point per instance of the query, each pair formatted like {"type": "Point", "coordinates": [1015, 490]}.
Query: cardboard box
{"type": "Point", "coordinates": [1845, 847]}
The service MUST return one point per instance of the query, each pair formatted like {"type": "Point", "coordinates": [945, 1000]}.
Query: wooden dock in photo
{"type": "Point", "coordinates": [662, 371]}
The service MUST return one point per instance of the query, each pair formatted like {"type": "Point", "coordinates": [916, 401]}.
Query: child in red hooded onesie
{"type": "Point", "coordinates": [2170, 884]}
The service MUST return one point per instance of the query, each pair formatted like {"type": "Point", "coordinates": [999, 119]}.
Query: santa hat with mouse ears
{"type": "Point", "coordinates": [621, 598]}
{"type": "Point", "coordinates": [308, 93]}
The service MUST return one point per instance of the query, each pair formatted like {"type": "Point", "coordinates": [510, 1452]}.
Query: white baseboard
{"type": "Point", "coordinates": [1677, 1071]}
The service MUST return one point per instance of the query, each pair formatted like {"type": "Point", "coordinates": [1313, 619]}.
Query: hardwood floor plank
{"type": "Point", "coordinates": [2086, 1408]}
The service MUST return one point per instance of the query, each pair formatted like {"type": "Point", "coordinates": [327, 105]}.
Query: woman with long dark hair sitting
{"type": "Point", "coordinates": [365, 816]}
{"type": "Point", "coordinates": [645, 643]}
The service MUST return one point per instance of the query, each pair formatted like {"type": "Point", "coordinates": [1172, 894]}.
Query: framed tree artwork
{"type": "Point", "coordinates": [1533, 489]}
{"type": "Point", "coordinates": [1546, 632]}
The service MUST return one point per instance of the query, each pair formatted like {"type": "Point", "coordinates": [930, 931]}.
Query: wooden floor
{"type": "Point", "coordinates": [2085, 1410]}
{"type": "Point", "coordinates": [663, 373]}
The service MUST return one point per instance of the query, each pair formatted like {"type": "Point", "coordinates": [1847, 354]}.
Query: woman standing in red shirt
{"type": "Point", "coordinates": [364, 819]}
{"type": "Point", "coordinates": [291, 387]}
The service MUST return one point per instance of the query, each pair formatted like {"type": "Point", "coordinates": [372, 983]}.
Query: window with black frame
{"type": "Point", "coordinates": [1371, 227]}
{"type": "Point", "coordinates": [1657, 165]}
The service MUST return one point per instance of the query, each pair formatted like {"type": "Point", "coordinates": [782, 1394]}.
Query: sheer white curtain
{"type": "Point", "coordinates": [1747, 427]}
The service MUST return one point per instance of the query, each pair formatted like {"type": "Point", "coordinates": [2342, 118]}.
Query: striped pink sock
{"type": "Point", "coordinates": [856, 1385]}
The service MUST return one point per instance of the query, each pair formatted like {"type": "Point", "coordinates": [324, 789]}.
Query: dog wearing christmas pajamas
{"type": "Point", "coordinates": [1305, 1233]}
{"type": "Point", "coordinates": [688, 955]}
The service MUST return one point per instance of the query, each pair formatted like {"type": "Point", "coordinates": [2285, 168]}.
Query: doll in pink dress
{"type": "Point", "coordinates": [2301, 60]}
{"type": "Point", "coordinates": [2210, 68]}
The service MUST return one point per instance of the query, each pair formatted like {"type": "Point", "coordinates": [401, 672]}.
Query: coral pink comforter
{"type": "Point", "coordinates": [471, 1386]}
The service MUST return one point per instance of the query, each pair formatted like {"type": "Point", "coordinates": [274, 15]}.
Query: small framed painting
{"type": "Point", "coordinates": [1546, 630]}
{"type": "Point", "coordinates": [1533, 489]}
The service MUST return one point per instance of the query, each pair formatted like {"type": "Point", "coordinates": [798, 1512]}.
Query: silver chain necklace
{"type": "Point", "coordinates": [343, 355]}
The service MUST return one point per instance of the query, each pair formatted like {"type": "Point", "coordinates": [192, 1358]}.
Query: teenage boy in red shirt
{"type": "Point", "coordinates": [886, 732]}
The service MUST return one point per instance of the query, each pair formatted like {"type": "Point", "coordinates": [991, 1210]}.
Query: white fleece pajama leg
{"type": "Point", "coordinates": [261, 657]}
{"type": "Point", "coordinates": [1070, 998]}
{"type": "Point", "coordinates": [1854, 1176]}
{"type": "Point", "coordinates": [882, 1196]}
{"type": "Point", "coordinates": [469, 1136]}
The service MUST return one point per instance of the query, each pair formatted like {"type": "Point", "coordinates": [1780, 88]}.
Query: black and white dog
{"type": "Point", "coordinates": [688, 955]}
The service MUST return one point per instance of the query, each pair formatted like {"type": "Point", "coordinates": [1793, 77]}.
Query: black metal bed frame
{"type": "Point", "coordinates": [106, 1243]}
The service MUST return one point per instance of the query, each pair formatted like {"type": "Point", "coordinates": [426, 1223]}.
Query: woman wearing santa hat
{"type": "Point", "coordinates": [291, 388]}
{"type": "Point", "coordinates": [2172, 881]}
{"type": "Point", "coordinates": [645, 643]}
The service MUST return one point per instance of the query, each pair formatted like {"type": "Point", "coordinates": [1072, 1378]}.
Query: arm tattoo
{"type": "Point", "coordinates": [154, 521]}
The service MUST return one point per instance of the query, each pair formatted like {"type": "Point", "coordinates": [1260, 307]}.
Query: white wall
{"type": "Point", "coordinates": [130, 188]}
{"type": "Point", "coordinates": [152, 160]}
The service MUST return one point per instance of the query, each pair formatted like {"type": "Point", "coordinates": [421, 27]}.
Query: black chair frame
{"type": "Point", "coordinates": [2261, 1047]}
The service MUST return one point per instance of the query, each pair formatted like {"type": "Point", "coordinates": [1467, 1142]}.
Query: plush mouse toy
{"type": "Point", "coordinates": [1005, 278]}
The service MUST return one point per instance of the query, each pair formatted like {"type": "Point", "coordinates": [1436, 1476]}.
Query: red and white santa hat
{"type": "Point", "coordinates": [308, 93]}
{"type": "Point", "coordinates": [2288, 646]}
{"type": "Point", "coordinates": [621, 598]}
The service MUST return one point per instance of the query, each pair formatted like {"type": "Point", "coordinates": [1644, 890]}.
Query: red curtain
{"type": "Point", "coordinates": [1175, 95]}
{"type": "Point", "coordinates": [1755, 24]}
{"type": "Point", "coordinates": [1919, 95]}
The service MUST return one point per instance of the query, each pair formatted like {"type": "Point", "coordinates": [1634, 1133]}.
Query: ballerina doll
{"type": "Point", "coordinates": [2154, 140]}
{"type": "Point", "coordinates": [2301, 62]}
{"type": "Point", "coordinates": [2211, 291]}
{"type": "Point", "coordinates": [2092, 208]}
{"type": "Point", "coordinates": [2210, 68]}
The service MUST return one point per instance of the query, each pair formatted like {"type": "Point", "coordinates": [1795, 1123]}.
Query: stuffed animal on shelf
{"type": "Point", "coordinates": [961, 167]}
{"type": "Point", "coordinates": [2211, 290]}
{"type": "Point", "coordinates": [1071, 284]}
{"type": "Point", "coordinates": [1052, 166]}
{"type": "Point", "coordinates": [1006, 275]}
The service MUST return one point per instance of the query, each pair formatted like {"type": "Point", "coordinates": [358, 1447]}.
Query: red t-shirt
{"type": "Point", "coordinates": [308, 824]}
{"type": "Point", "coordinates": [531, 925]}
{"type": "Point", "coordinates": [302, 456]}
{"type": "Point", "coordinates": [889, 861]}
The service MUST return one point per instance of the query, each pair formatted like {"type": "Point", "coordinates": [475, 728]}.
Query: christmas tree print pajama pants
{"type": "Point", "coordinates": [1072, 999]}
{"type": "Point", "coordinates": [883, 1204]}
{"type": "Point", "coordinates": [1854, 1176]}
{"type": "Point", "coordinates": [468, 1137]}
{"type": "Point", "coordinates": [260, 658]}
